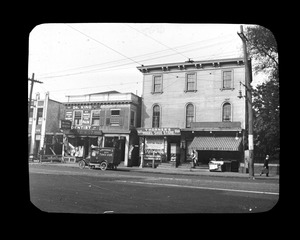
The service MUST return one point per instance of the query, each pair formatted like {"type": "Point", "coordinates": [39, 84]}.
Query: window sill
{"type": "Point", "coordinates": [157, 92]}
{"type": "Point", "coordinates": [190, 91]}
{"type": "Point", "coordinates": [222, 89]}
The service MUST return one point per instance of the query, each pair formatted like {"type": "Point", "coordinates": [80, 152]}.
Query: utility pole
{"type": "Point", "coordinates": [249, 104]}
{"type": "Point", "coordinates": [31, 88]}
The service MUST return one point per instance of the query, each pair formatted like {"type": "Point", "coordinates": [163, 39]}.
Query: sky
{"type": "Point", "coordinates": [83, 58]}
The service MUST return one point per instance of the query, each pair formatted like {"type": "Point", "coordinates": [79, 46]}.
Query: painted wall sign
{"type": "Point", "coordinates": [158, 131]}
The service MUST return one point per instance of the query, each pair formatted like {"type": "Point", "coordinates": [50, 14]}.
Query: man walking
{"type": "Point", "coordinates": [265, 167]}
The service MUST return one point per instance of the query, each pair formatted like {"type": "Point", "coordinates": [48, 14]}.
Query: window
{"type": "Point", "coordinates": [115, 112]}
{"type": "Point", "coordinates": [226, 115]}
{"type": "Point", "coordinates": [96, 117]}
{"type": "Point", "coordinates": [189, 115]}
{"type": "Point", "coordinates": [227, 79]}
{"type": "Point", "coordinates": [190, 82]}
{"type": "Point", "coordinates": [115, 118]}
{"type": "Point", "coordinates": [78, 117]}
{"type": "Point", "coordinates": [30, 115]}
{"type": "Point", "coordinates": [157, 84]}
{"type": "Point", "coordinates": [132, 116]}
{"type": "Point", "coordinates": [39, 118]}
{"type": "Point", "coordinates": [156, 116]}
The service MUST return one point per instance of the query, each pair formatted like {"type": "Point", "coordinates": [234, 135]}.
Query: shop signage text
{"type": "Point", "coordinates": [65, 124]}
{"type": "Point", "coordinates": [158, 131]}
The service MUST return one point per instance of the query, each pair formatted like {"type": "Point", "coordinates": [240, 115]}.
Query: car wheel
{"type": "Point", "coordinates": [103, 166]}
{"type": "Point", "coordinates": [81, 164]}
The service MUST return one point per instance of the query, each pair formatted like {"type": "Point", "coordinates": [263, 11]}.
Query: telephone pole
{"type": "Point", "coordinates": [31, 88]}
{"type": "Point", "coordinates": [249, 104]}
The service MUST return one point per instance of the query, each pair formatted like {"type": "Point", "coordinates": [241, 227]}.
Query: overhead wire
{"type": "Point", "coordinates": [149, 59]}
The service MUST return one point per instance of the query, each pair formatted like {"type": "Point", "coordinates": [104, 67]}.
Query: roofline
{"type": "Point", "coordinates": [190, 63]}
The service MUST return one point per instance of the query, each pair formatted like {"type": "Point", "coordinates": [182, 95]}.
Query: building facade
{"type": "Point", "coordinates": [43, 129]}
{"type": "Point", "coordinates": [193, 105]}
{"type": "Point", "coordinates": [100, 119]}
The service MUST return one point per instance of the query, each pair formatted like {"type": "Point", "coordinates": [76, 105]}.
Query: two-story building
{"type": "Point", "coordinates": [43, 128]}
{"type": "Point", "coordinates": [100, 119]}
{"type": "Point", "coordinates": [193, 105]}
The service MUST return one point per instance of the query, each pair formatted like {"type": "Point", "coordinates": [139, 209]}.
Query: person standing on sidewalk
{"type": "Point", "coordinates": [194, 158]}
{"type": "Point", "coordinates": [265, 167]}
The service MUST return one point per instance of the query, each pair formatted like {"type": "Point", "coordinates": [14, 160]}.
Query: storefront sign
{"type": "Point", "coordinates": [158, 131]}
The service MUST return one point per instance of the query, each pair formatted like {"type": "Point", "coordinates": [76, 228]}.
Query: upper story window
{"type": "Point", "coordinates": [132, 118]}
{"type": "Point", "coordinates": [156, 116]}
{"type": "Point", "coordinates": [96, 117]}
{"type": "Point", "coordinates": [190, 82]}
{"type": "Point", "coordinates": [226, 112]}
{"type": "Point", "coordinates": [115, 118]}
{"type": "Point", "coordinates": [227, 79]}
{"type": "Point", "coordinates": [189, 115]}
{"type": "Point", "coordinates": [39, 117]}
{"type": "Point", "coordinates": [77, 117]}
{"type": "Point", "coordinates": [30, 115]}
{"type": "Point", "coordinates": [157, 84]}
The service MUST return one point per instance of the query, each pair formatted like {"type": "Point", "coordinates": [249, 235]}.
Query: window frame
{"type": "Point", "coordinates": [153, 84]}
{"type": "Point", "coordinates": [74, 117]}
{"type": "Point", "coordinates": [186, 82]}
{"type": "Point", "coordinates": [159, 117]}
{"type": "Point", "coordinates": [92, 118]}
{"type": "Point", "coordinates": [186, 114]}
{"type": "Point", "coordinates": [231, 80]}
{"type": "Point", "coordinates": [223, 115]}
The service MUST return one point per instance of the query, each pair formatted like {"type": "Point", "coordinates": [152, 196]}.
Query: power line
{"type": "Point", "coordinates": [156, 40]}
{"type": "Point", "coordinates": [104, 45]}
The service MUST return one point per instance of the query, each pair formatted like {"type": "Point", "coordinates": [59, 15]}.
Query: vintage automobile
{"type": "Point", "coordinates": [102, 157]}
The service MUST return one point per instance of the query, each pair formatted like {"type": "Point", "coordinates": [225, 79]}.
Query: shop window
{"type": "Point", "coordinates": [156, 117]}
{"type": "Point", "coordinates": [78, 117]}
{"type": "Point", "coordinates": [95, 117]}
{"type": "Point", "coordinates": [189, 115]}
{"type": "Point", "coordinates": [190, 82]}
{"type": "Point", "coordinates": [226, 112]}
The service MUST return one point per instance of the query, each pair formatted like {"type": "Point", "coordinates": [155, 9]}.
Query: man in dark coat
{"type": "Point", "coordinates": [265, 167]}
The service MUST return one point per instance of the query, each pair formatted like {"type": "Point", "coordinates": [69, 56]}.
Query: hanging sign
{"type": "Point", "coordinates": [65, 124]}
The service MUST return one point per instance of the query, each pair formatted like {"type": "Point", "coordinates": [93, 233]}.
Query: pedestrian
{"type": "Point", "coordinates": [41, 154]}
{"type": "Point", "coordinates": [265, 167]}
{"type": "Point", "coordinates": [194, 158]}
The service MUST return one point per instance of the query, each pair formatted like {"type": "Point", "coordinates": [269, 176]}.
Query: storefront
{"type": "Point", "coordinates": [213, 141]}
{"type": "Point", "coordinates": [77, 142]}
{"type": "Point", "coordinates": [159, 145]}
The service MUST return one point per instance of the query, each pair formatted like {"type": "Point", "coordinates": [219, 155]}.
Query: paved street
{"type": "Point", "coordinates": [55, 188]}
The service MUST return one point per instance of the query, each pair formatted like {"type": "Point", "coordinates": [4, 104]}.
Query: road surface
{"type": "Point", "coordinates": [72, 190]}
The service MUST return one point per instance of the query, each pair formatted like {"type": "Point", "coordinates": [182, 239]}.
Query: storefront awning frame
{"type": "Point", "coordinates": [204, 143]}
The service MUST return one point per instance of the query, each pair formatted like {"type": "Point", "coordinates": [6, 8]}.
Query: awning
{"type": "Point", "coordinates": [216, 143]}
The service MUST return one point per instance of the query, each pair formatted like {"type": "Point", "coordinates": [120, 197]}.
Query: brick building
{"type": "Point", "coordinates": [100, 119]}
{"type": "Point", "coordinates": [193, 105]}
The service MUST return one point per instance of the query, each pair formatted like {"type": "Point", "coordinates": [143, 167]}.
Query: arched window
{"type": "Point", "coordinates": [226, 113]}
{"type": "Point", "coordinates": [189, 114]}
{"type": "Point", "coordinates": [156, 116]}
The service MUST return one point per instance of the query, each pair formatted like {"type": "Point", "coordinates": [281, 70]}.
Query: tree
{"type": "Point", "coordinates": [262, 48]}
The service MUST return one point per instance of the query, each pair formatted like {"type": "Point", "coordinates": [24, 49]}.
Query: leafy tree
{"type": "Point", "coordinates": [262, 48]}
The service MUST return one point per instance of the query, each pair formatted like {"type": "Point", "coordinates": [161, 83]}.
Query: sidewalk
{"type": "Point", "coordinates": [171, 170]}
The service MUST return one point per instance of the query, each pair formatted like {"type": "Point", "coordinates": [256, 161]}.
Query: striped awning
{"type": "Point", "coordinates": [216, 143]}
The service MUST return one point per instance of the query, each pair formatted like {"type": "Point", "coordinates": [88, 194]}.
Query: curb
{"type": "Point", "coordinates": [177, 171]}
